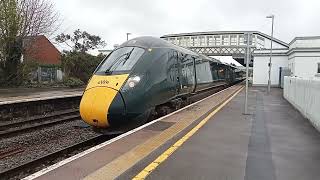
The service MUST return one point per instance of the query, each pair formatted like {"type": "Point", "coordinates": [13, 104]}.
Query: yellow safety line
{"type": "Point", "coordinates": [152, 166]}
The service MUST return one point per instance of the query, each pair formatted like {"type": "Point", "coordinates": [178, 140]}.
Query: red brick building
{"type": "Point", "coordinates": [40, 49]}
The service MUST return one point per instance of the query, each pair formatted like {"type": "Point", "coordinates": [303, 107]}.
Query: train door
{"type": "Point", "coordinates": [173, 73]}
{"type": "Point", "coordinates": [178, 73]}
{"type": "Point", "coordinates": [187, 73]}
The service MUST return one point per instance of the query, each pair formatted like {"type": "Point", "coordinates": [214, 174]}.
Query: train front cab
{"type": "Point", "coordinates": [101, 92]}
{"type": "Point", "coordinates": [102, 104]}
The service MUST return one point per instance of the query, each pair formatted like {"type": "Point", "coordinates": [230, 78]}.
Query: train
{"type": "Point", "coordinates": [148, 77]}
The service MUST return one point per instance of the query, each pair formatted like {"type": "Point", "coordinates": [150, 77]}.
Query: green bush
{"type": "Point", "coordinates": [79, 64]}
{"type": "Point", "coordinates": [26, 71]}
{"type": "Point", "coordinates": [72, 82]}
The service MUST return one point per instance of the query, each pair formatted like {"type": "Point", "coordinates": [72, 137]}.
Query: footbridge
{"type": "Point", "coordinates": [224, 43]}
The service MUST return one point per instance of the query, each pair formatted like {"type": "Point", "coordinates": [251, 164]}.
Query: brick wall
{"type": "Point", "coordinates": [40, 49]}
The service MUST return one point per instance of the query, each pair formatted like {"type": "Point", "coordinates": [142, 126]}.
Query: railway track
{"type": "Point", "coordinates": [32, 124]}
{"type": "Point", "coordinates": [10, 152]}
{"type": "Point", "coordinates": [37, 164]}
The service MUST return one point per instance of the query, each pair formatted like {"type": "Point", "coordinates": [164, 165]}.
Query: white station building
{"type": "Point", "coordinates": [300, 57]}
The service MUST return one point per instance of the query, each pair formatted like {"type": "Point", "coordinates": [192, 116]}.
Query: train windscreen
{"type": "Point", "coordinates": [120, 60]}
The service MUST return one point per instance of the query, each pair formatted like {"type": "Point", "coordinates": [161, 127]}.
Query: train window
{"type": "Point", "coordinates": [187, 70]}
{"type": "Point", "coordinates": [221, 73]}
{"type": "Point", "coordinates": [122, 59]}
{"type": "Point", "coordinates": [172, 68]}
{"type": "Point", "coordinates": [214, 70]}
{"type": "Point", "coordinates": [203, 71]}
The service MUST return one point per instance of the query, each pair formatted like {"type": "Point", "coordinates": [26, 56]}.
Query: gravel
{"type": "Point", "coordinates": [42, 142]}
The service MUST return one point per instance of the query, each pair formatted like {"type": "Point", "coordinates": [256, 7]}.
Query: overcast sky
{"type": "Point", "coordinates": [111, 19]}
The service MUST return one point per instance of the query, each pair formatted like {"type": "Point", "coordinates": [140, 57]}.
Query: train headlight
{"type": "Point", "coordinates": [132, 82]}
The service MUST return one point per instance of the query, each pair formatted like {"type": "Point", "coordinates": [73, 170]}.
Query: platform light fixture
{"type": "Point", "coordinates": [128, 36]}
{"type": "Point", "coordinates": [270, 64]}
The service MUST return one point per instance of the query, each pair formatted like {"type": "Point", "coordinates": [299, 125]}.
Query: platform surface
{"type": "Point", "coordinates": [110, 160]}
{"type": "Point", "coordinates": [274, 142]}
{"type": "Point", "coordinates": [16, 95]}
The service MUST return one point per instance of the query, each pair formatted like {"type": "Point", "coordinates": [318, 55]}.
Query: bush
{"type": "Point", "coordinates": [80, 65]}
{"type": "Point", "coordinates": [72, 82]}
{"type": "Point", "coordinates": [26, 71]}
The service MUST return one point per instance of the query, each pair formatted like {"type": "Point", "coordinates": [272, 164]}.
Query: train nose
{"type": "Point", "coordinates": [96, 103]}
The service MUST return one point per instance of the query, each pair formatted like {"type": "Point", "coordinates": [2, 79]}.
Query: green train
{"type": "Point", "coordinates": [148, 77]}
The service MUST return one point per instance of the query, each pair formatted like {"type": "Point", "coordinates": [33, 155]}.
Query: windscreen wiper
{"type": "Point", "coordinates": [108, 71]}
{"type": "Point", "coordinates": [117, 61]}
{"type": "Point", "coordinates": [127, 57]}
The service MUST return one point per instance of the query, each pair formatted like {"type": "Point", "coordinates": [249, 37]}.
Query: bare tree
{"type": "Point", "coordinates": [20, 19]}
{"type": "Point", "coordinates": [37, 17]}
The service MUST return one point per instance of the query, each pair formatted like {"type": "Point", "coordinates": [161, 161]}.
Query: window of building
{"type": "Point", "coordinates": [241, 40]}
{"type": "Point", "coordinates": [182, 42]}
{"type": "Point", "coordinates": [193, 41]}
{"type": "Point", "coordinates": [202, 41]}
{"type": "Point", "coordinates": [233, 40]}
{"type": "Point", "coordinates": [172, 40]}
{"type": "Point", "coordinates": [186, 41]}
{"type": "Point", "coordinates": [253, 39]}
{"type": "Point", "coordinates": [217, 40]}
{"type": "Point", "coordinates": [179, 39]}
{"type": "Point", "coordinates": [210, 41]}
{"type": "Point", "coordinates": [196, 41]}
{"type": "Point", "coordinates": [318, 67]}
{"type": "Point", "coordinates": [225, 40]}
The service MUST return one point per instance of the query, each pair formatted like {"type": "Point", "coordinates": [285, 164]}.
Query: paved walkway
{"type": "Point", "coordinates": [12, 95]}
{"type": "Point", "coordinates": [274, 142]}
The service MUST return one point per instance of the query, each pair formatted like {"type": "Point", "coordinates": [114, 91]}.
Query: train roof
{"type": "Point", "coordinates": [148, 42]}
{"type": "Point", "coordinates": [153, 42]}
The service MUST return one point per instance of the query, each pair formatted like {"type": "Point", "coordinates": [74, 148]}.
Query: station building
{"type": "Point", "coordinates": [300, 57]}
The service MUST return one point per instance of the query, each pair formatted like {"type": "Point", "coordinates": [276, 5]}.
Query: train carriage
{"type": "Point", "coordinates": [148, 77]}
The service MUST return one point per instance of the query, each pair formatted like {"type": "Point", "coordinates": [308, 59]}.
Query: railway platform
{"type": "Point", "coordinates": [21, 95]}
{"type": "Point", "coordinates": [211, 139]}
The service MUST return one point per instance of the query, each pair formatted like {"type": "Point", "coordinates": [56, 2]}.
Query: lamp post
{"type": "Point", "coordinates": [269, 80]}
{"type": "Point", "coordinates": [247, 37]}
{"type": "Point", "coordinates": [128, 36]}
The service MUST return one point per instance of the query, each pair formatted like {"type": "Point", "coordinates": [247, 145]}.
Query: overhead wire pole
{"type": "Point", "coordinates": [248, 57]}
{"type": "Point", "coordinates": [270, 64]}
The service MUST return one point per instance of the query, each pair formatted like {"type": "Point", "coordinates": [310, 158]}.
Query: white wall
{"type": "Point", "coordinates": [304, 64]}
{"type": "Point", "coordinates": [306, 67]}
{"type": "Point", "coordinates": [260, 69]}
{"type": "Point", "coordinates": [303, 94]}
{"type": "Point", "coordinates": [305, 42]}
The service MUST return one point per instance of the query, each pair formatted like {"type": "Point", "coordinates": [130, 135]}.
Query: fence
{"type": "Point", "coordinates": [47, 74]}
{"type": "Point", "coordinates": [304, 94]}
